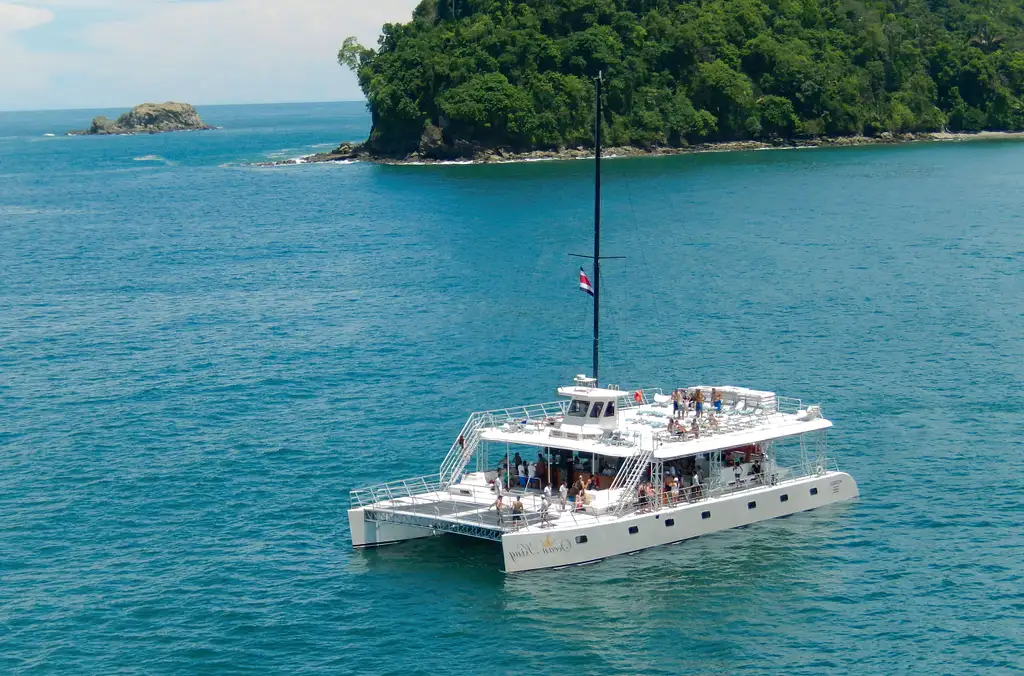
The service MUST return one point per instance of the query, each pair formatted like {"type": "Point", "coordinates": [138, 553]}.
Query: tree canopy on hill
{"type": "Point", "coordinates": [519, 73]}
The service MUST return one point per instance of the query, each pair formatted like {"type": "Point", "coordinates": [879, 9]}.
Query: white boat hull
{"type": "Point", "coordinates": [366, 533]}
{"type": "Point", "coordinates": [537, 548]}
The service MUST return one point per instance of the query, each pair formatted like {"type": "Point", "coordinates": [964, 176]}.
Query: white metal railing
{"type": "Point", "coordinates": [468, 441]}
{"type": "Point", "coordinates": [788, 404]}
{"type": "Point", "coordinates": [393, 490]}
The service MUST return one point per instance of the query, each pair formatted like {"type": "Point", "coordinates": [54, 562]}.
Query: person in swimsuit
{"type": "Point", "coordinates": [499, 505]}
{"type": "Point", "coordinates": [517, 512]}
{"type": "Point", "coordinates": [699, 398]}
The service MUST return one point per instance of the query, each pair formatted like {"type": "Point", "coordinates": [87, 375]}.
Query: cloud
{"type": "Point", "coordinates": [14, 18]}
{"type": "Point", "coordinates": [226, 51]}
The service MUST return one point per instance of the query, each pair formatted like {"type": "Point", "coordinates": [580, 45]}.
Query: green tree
{"type": "Point", "coordinates": [520, 73]}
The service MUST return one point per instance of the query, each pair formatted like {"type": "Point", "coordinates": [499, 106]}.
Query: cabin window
{"type": "Point", "coordinates": [751, 505]}
{"type": "Point", "coordinates": [581, 539]}
{"type": "Point", "coordinates": [595, 410]}
{"type": "Point", "coordinates": [577, 408]}
{"type": "Point", "coordinates": [814, 491]}
{"type": "Point", "coordinates": [705, 515]}
{"type": "Point", "coordinates": [633, 530]}
{"type": "Point", "coordinates": [784, 498]}
{"type": "Point", "coordinates": [670, 522]}
{"type": "Point", "coordinates": [609, 410]}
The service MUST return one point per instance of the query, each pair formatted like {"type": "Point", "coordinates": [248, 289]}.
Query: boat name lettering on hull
{"type": "Point", "coordinates": [548, 546]}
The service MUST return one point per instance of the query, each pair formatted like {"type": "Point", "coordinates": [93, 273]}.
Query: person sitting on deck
{"type": "Point", "coordinates": [592, 485]}
{"type": "Point", "coordinates": [517, 512]}
{"type": "Point", "coordinates": [713, 421]}
{"type": "Point", "coordinates": [695, 429]}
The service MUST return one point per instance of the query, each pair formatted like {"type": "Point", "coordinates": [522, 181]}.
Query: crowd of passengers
{"type": "Point", "coordinates": [683, 402]}
{"type": "Point", "coordinates": [565, 467]}
{"type": "Point", "coordinates": [684, 479]}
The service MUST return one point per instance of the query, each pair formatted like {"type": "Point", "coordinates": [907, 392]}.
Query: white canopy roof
{"type": "Point", "coordinates": [775, 426]}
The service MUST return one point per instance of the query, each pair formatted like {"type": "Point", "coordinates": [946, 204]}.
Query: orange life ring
{"type": "Point", "coordinates": [638, 396]}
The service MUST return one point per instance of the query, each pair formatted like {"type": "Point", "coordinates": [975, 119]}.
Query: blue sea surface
{"type": "Point", "coordinates": [199, 358]}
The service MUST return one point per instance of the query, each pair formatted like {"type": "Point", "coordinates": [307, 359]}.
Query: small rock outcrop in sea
{"type": "Point", "coordinates": [149, 118]}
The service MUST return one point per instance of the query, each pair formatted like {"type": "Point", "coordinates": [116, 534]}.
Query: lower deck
{"type": "Point", "coordinates": [565, 536]}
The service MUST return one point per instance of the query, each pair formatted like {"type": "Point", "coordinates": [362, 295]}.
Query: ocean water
{"type": "Point", "coordinates": [199, 358]}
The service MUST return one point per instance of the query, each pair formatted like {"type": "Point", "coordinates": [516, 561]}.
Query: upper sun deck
{"type": "Point", "coordinates": [747, 417]}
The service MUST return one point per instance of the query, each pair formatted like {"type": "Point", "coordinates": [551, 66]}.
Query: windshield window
{"type": "Point", "coordinates": [595, 410]}
{"type": "Point", "coordinates": [577, 408]}
{"type": "Point", "coordinates": [610, 410]}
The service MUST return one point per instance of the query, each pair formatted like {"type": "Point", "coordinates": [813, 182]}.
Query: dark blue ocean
{"type": "Point", "coordinates": [199, 358]}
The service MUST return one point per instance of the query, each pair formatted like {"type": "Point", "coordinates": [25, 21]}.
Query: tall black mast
{"type": "Point", "coordinates": [597, 222]}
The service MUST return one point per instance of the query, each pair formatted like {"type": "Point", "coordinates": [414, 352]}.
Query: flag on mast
{"type": "Point", "coordinates": [585, 284]}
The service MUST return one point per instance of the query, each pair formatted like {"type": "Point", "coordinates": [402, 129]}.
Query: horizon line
{"type": "Point", "coordinates": [194, 105]}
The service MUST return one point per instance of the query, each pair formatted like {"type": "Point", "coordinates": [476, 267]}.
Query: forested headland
{"type": "Point", "coordinates": [519, 75]}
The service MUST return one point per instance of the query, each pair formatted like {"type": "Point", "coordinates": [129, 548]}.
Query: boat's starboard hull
{"type": "Point", "coordinates": [536, 548]}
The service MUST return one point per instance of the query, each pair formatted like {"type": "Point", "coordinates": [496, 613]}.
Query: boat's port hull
{"type": "Point", "coordinates": [550, 548]}
{"type": "Point", "coordinates": [366, 533]}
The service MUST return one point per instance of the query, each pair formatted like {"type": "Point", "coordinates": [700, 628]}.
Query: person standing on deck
{"type": "Point", "coordinates": [499, 505]}
{"type": "Point", "coordinates": [563, 495]}
{"type": "Point", "coordinates": [545, 504]}
{"type": "Point", "coordinates": [677, 400]}
{"type": "Point", "coordinates": [698, 397]}
{"type": "Point", "coordinates": [517, 513]}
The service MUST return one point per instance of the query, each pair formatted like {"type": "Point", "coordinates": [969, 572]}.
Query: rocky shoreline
{"type": "Point", "coordinates": [359, 152]}
{"type": "Point", "coordinates": [148, 118]}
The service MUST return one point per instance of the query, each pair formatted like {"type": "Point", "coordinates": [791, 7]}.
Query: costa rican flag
{"type": "Point", "coordinates": [585, 284]}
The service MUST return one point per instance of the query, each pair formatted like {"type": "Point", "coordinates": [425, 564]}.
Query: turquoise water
{"type": "Point", "coordinates": [199, 358]}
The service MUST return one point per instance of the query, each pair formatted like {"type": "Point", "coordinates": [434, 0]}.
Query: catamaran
{"type": "Point", "coordinates": [616, 470]}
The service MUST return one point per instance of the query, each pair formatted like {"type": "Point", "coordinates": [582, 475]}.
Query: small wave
{"type": "Point", "coordinates": [49, 135]}
{"type": "Point", "coordinates": [152, 158]}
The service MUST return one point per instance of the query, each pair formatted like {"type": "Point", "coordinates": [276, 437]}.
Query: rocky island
{"type": "Point", "coordinates": [492, 80]}
{"type": "Point", "coordinates": [149, 118]}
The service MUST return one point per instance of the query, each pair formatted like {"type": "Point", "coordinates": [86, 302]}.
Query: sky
{"type": "Point", "coordinates": [61, 54]}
